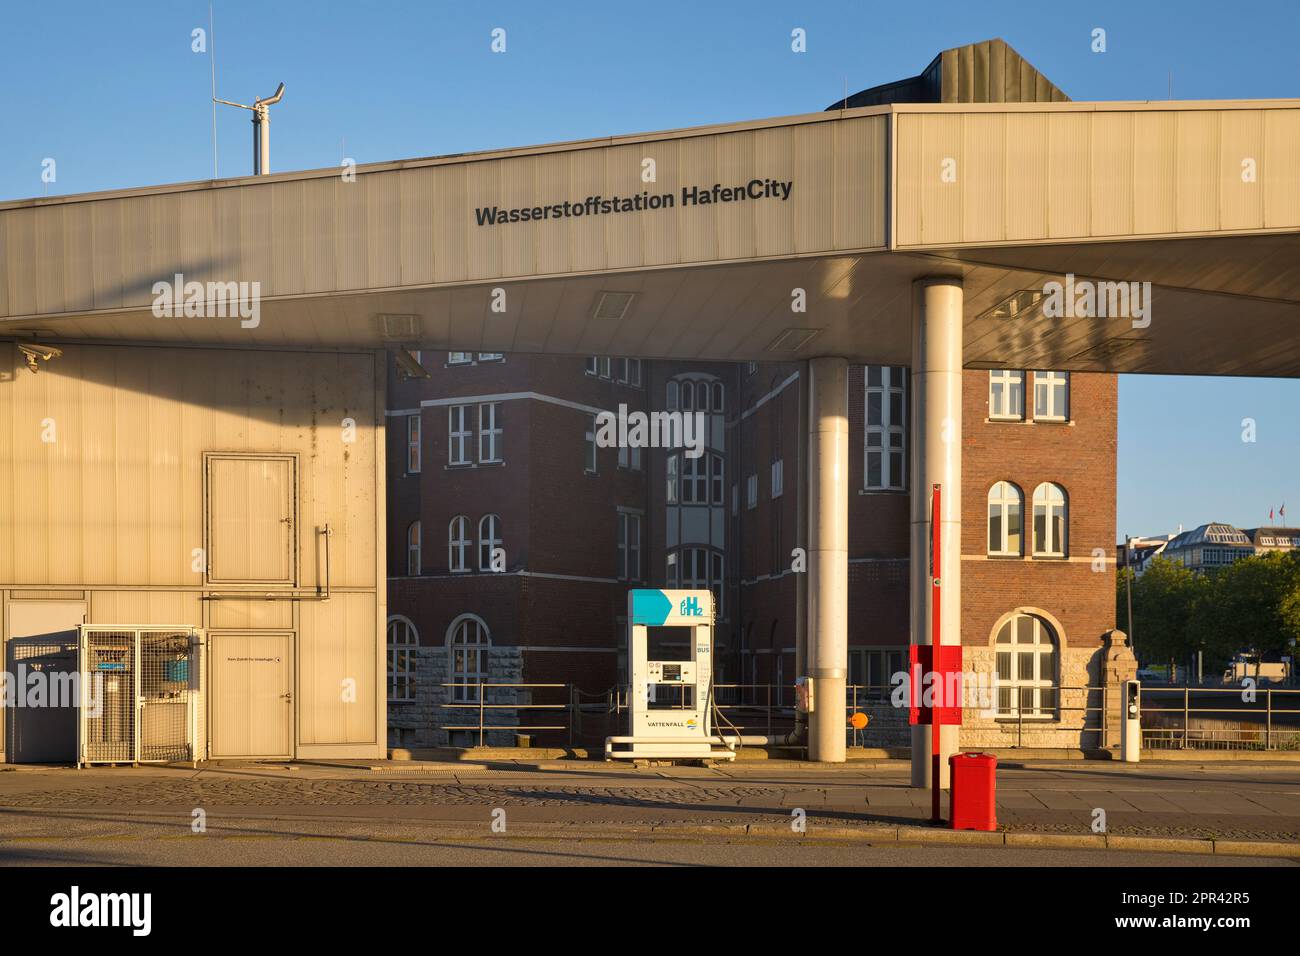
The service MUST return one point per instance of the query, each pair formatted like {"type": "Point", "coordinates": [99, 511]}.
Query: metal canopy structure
{"type": "Point", "coordinates": [1201, 199]}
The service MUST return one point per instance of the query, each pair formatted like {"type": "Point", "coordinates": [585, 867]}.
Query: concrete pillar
{"type": "Point", "coordinates": [828, 555]}
{"type": "Point", "coordinates": [936, 459]}
{"type": "Point", "coordinates": [801, 539]}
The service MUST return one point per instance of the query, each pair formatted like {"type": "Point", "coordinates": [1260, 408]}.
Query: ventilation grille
{"type": "Point", "coordinates": [401, 328]}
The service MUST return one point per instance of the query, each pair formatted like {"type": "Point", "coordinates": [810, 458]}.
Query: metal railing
{"type": "Point", "coordinates": [1172, 718]}
{"type": "Point", "coordinates": [1220, 718]}
{"type": "Point", "coordinates": [567, 712]}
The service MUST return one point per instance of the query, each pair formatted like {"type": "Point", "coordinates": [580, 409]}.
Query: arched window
{"type": "Point", "coordinates": [1026, 659]}
{"type": "Point", "coordinates": [402, 642]}
{"type": "Point", "coordinates": [1005, 506]}
{"type": "Point", "coordinates": [458, 544]}
{"type": "Point", "coordinates": [489, 540]}
{"type": "Point", "coordinates": [468, 641]}
{"type": "Point", "coordinates": [1049, 520]}
{"type": "Point", "coordinates": [413, 548]}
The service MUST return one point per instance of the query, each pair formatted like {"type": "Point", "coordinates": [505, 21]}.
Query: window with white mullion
{"type": "Point", "coordinates": [458, 544]}
{"type": "Point", "coordinates": [886, 428]}
{"type": "Point", "coordinates": [1005, 519]}
{"type": "Point", "coordinates": [489, 432]}
{"type": "Point", "coordinates": [1007, 394]}
{"type": "Point", "coordinates": [489, 541]}
{"type": "Point", "coordinates": [1050, 521]}
{"type": "Point", "coordinates": [412, 444]}
{"type": "Point", "coordinates": [1026, 667]}
{"type": "Point", "coordinates": [458, 435]}
{"type": "Point", "coordinates": [1052, 396]}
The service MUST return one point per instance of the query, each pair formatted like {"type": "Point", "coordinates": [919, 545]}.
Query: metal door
{"type": "Point", "coordinates": [42, 646]}
{"type": "Point", "coordinates": [252, 695]}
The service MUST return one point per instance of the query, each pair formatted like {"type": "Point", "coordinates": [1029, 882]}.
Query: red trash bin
{"type": "Point", "coordinates": [973, 805]}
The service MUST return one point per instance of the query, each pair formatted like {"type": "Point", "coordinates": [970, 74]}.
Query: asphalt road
{"type": "Point", "coordinates": [259, 842]}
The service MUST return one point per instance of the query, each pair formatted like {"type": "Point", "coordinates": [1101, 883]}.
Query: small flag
{"type": "Point", "coordinates": [1281, 512]}
{"type": "Point", "coordinates": [1270, 515]}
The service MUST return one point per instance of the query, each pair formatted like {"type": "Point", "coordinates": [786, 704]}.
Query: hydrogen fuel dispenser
{"type": "Point", "coordinates": [670, 660]}
{"type": "Point", "coordinates": [1130, 721]}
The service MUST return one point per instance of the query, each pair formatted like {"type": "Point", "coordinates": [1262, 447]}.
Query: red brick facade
{"type": "Point", "coordinates": [559, 522]}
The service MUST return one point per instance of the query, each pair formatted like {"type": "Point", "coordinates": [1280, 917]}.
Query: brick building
{"type": "Point", "coordinates": [514, 537]}
{"type": "Point", "coordinates": [498, 452]}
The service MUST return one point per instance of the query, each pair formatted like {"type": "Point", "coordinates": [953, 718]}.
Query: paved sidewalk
{"type": "Point", "coordinates": [1258, 802]}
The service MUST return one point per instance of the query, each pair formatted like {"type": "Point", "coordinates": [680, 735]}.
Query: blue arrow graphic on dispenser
{"type": "Point", "coordinates": [650, 606]}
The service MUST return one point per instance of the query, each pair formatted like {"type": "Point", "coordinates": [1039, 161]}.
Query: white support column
{"type": "Point", "coordinates": [936, 459]}
{"type": "Point", "coordinates": [828, 555]}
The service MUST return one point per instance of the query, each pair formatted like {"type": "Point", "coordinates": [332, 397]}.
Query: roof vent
{"type": "Point", "coordinates": [792, 340]}
{"type": "Point", "coordinates": [1019, 305]}
{"type": "Point", "coordinates": [612, 306]}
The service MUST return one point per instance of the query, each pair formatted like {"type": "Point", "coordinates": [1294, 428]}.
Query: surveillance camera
{"type": "Point", "coordinates": [33, 352]}
{"type": "Point", "coordinates": [409, 367]}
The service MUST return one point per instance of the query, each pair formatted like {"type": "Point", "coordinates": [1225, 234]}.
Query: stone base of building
{"type": "Point", "coordinates": [433, 719]}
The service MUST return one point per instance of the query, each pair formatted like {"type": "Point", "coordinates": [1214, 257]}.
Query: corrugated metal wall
{"type": "Point", "coordinates": [102, 492]}
{"type": "Point", "coordinates": [417, 225]}
{"type": "Point", "coordinates": [1044, 174]}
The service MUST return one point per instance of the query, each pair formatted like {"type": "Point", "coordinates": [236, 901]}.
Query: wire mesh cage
{"type": "Point", "coordinates": [143, 694]}
{"type": "Point", "coordinates": [165, 699]}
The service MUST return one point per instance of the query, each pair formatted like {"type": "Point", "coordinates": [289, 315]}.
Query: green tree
{"type": "Point", "coordinates": [1165, 598]}
{"type": "Point", "coordinates": [1255, 606]}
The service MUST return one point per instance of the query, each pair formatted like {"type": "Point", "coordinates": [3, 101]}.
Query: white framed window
{"type": "Point", "coordinates": [491, 356]}
{"type": "Point", "coordinates": [1006, 394]}
{"type": "Point", "coordinates": [458, 435]}
{"type": "Point", "coordinates": [490, 432]}
{"type": "Point", "coordinates": [589, 446]}
{"type": "Point", "coordinates": [1049, 520]}
{"type": "Point", "coordinates": [489, 540]}
{"type": "Point", "coordinates": [605, 364]}
{"type": "Point", "coordinates": [458, 544]}
{"type": "Point", "coordinates": [629, 546]}
{"type": "Point", "coordinates": [1026, 663]}
{"type": "Point", "coordinates": [402, 643]}
{"type": "Point", "coordinates": [1051, 396]}
{"type": "Point", "coordinates": [751, 491]}
{"type": "Point", "coordinates": [778, 477]}
{"type": "Point", "coordinates": [672, 466]}
{"type": "Point", "coordinates": [412, 444]}
{"type": "Point", "coordinates": [633, 372]}
{"type": "Point", "coordinates": [460, 358]}
{"type": "Point", "coordinates": [886, 428]}
{"type": "Point", "coordinates": [413, 548]}
{"type": "Point", "coordinates": [1006, 507]}
{"type": "Point", "coordinates": [591, 365]}
{"type": "Point", "coordinates": [468, 641]}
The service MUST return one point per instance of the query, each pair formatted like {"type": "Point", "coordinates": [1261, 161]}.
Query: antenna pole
{"type": "Point", "coordinates": [212, 60]}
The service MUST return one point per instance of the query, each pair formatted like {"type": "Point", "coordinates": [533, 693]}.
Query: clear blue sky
{"type": "Point", "coordinates": [113, 93]}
